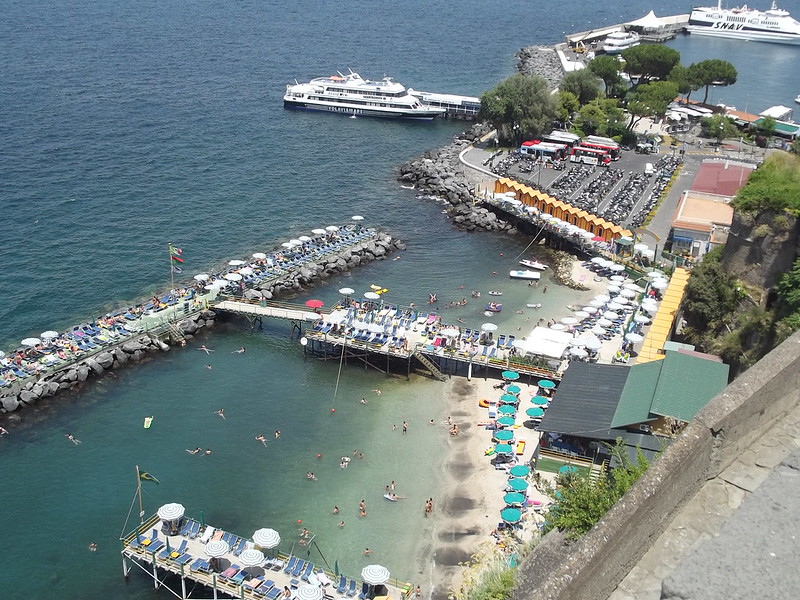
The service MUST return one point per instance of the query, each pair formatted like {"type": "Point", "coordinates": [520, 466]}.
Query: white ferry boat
{"type": "Point", "coordinates": [620, 40]}
{"type": "Point", "coordinates": [353, 95]}
{"type": "Point", "coordinates": [525, 274]}
{"type": "Point", "coordinates": [533, 264]}
{"type": "Point", "coordinates": [743, 23]}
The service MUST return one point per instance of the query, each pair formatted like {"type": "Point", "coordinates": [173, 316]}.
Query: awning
{"type": "Point", "coordinates": [682, 239]}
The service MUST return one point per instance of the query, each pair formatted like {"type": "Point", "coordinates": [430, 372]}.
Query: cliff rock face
{"type": "Point", "coordinates": [761, 247]}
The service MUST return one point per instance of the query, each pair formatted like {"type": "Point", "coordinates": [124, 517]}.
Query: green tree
{"type": "Point", "coordinates": [795, 147]}
{"type": "Point", "coordinates": [650, 61]}
{"type": "Point", "coordinates": [714, 71]}
{"type": "Point", "coordinates": [767, 127]}
{"type": "Point", "coordinates": [519, 107]}
{"type": "Point", "coordinates": [774, 186]}
{"type": "Point", "coordinates": [650, 100]}
{"type": "Point", "coordinates": [584, 84]}
{"type": "Point", "coordinates": [601, 117]}
{"type": "Point", "coordinates": [607, 68]}
{"type": "Point", "coordinates": [568, 105]}
{"type": "Point", "coordinates": [719, 127]}
{"type": "Point", "coordinates": [683, 77]}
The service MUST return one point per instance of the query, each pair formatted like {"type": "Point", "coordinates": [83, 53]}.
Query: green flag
{"type": "Point", "coordinates": [145, 476]}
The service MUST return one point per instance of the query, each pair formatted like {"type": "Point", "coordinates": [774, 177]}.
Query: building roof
{"type": "Point", "coordinates": [586, 400]}
{"type": "Point", "coordinates": [637, 395]}
{"type": "Point", "coordinates": [778, 112]}
{"type": "Point", "coordinates": [723, 178]}
{"type": "Point", "coordinates": [742, 116]}
{"type": "Point", "coordinates": [686, 384]}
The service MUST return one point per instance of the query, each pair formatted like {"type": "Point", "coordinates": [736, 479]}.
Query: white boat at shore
{"type": "Point", "coordinates": [620, 40]}
{"type": "Point", "coordinates": [533, 264]}
{"type": "Point", "coordinates": [743, 23]}
{"type": "Point", "coordinates": [520, 274]}
{"type": "Point", "coordinates": [353, 95]}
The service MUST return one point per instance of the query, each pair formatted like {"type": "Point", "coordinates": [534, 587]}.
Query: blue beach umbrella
{"type": "Point", "coordinates": [568, 469]}
{"type": "Point", "coordinates": [510, 375]}
{"type": "Point", "coordinates": [535, 411]}
{"type": "Point", "coordinates": [513, 389]}
{"type": "Point", "coordinates": [508, 399]}
{"type": "Point", "coordinates": [512, 498]}
{"type": "Point", "coordinates": [520, 471]}
{"type": "Point", "coordinates": [539, 401]}
{"type": "Point", "coordinates": [503, 449]}
{"type": "Point", "coordinates": [506, 421]}
{"type": "Point", "coordinates": [546, 384]}
{"type": "Point", "coordinates": [511, 515]}
{"type": "Point", "coordinates": [517, 485]}
{"type": "Point", "coordinates": [507, 409]}
{"type": "Point", "coordinates": [504, 435]}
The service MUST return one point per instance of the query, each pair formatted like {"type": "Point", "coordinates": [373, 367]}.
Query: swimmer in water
{"type": "Point", "coordinates": [262, 439]}
{"type": "Point", "coordinates": [72, 439]}
{"type": "Point", "coordinates": [206, 350]}
{"type": "Point", "coordinates": [195, 451]}
{"type": "Point", "coordinates": [239, 351]}
{"type": "Point", "coordinates": [221, 413]}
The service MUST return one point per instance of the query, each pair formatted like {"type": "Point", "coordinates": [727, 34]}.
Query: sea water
{"type": "Point", "coordinates": [127, 126]}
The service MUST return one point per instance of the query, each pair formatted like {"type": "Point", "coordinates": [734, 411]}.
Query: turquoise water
{"type": "Point", "coordinates": [128, 126]}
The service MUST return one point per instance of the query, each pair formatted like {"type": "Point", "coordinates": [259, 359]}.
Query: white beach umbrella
{"type": "Point", "coordinates": [578, 352]}
{"type": "Point", "coordinates": [49, 335]}
{"type": "Point", "coordinates": [613, 290]}
{"type": "Point", "coordinates": [286, 245]}
{"type": "Point", "coordinates": [578, 342]}
{"type": "Point", "coordinates": [318, 231]}
{"type": "Point", "coordinates": [371, 296]}
{"type": "Point", "coordinates": [659, 284]}
{"type": "Point", "coordinates": [602, 298]}
{"type": "Point", "coordinates": [356, 218]}
{"type": "Point", "coordinates": [309, 592]}
{"type": "Point", "coordinates": [611, 315]}
{"type": "Point", "coordinates": [597, 330]}
{"type": "Point", "coordinates": [592, 343]}
{"type": "Point", "coordinates": [634, 337]}
{"type": "Point", "coordinates": [216, 548]}
{"type": "Point", "coordinates": [31, 342]}
{"type": "Point", "coordinates": [232, 277]}
{"type": "Point", "coordinates": [304, 238]}
{"type": "Point", "coordinates": [589, 309]}
{"type": "Point", "coordinates": [236, 262]}
{"type": "Point", "coordinates": [171, 512]}
{"type": "Point", "coordinates": [558, 326]}
{"type": "Point", "coordinates": [259, 255]}
{"type": "Point", "coordinates": [597, 303]}
{"type": "Point", "coordinates": [641, 319]}
{"type": "Point", "coordinates": [569, 321]}
{"type": "Point", "coordinates": [603, 322]}
{"type": "Point", "coordinates": [450, 332]}
{"type": "Point", "coordinates": [347, 291]}
{"type": "Point", "coordinates": [628, 294]}
{"type": "Point", "coordinates": [655, 274]}
{"type": "Point", "coordinates": [616, 267]}
{"type": "Point", "coordinates": [640, 247]}
{"type": "Point", "coordinates": [612, 306]}
{"type": "Point", "coordinates": [582, 314]}
{"type": "Point", "coordinates": [250, 557]}
{"type": "Point", "coordinates": [295, 242]}
{"type": "Point", "coordinates": [331, 228]}
{"type": "Point", "coordinates": [245, 271]}
{"type": "Point", "coordinates": [621, 300]}
{"type": "Point", "coordinates": [650, 308]}
{"type": "Point", "coordinates": [633, 287]}
{"type": "Point", "coordinates": [375, 574]}
{"type": "Point", "coordinates": [202, 277]}
{"type": "Point", "coordinates": [649, 254]}
{"type": "Point", "coordinates": [2, 354]}
{"type": "Point", "coordinates": [488, 327]}
{"type": "Point", "coordinates": [617, 278]}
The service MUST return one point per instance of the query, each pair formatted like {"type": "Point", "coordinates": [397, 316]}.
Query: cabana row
{"type": "Point", "coordinates": [653, 345]}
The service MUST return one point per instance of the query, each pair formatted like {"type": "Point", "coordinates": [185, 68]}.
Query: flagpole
{"type": "Point", "coordinates": [171, 270]}
{"type": "Point", "coordinates": [139, 493]}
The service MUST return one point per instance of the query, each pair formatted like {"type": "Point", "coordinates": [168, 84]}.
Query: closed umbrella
{"type": "Point", "coordinates": [250, 557]}
{"type": "Point", "coordinates": [510, 375]}
{"type": "Point", "coordinates": [539, 401]}
{"type": "Point", "coordinates": [511, 515]}
{"type": "Point", "coordinates": [535, 411]}
{"type": "Point", "coordinates": [520, 471]}
{"type": "Point", "coordinates": [266, 538]}
{"type": "Point", "coordinates": [514, 498]}
{"type": "Point", "coordinates": [216, 548]}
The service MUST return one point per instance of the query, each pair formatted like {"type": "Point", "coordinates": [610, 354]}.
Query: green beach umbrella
{"type": "Point", "coordinates": [503, 448]}
{"type": "Point", "coordinates": [506, 421]}
{"type": "Point", "coordinates": [513, 389]}
{"type": "Point", "coordinates": [546, 384]}
{"type": "Point", "coordinates": [520, 471]}
{"type": "Point", "coordinates": [507, 409]}
{"type": "Point", "coordinates": [535, 411]}
{"type": "Point", "coordinates": [504, 435]}
{"type": "Point", "coordinates": [508, 399]}
{"type": "Point", "coordinates": [511, 515]}
{"type": "Point", "coordinates": [539, 401]}
{"type": "Point", "coordinates": [517, 485]}
{"type": "Point", "coordinates": [568, 469]}
{"type": "Point", "coordinates": [514, 498]}
{"type": "Point", "coordinates": [510, 375]}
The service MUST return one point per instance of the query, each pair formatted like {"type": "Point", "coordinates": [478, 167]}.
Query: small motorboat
{"type": "Point", "coordinates": [494, 307]}
{"type": "Point", "coordinates": [533, 264]}
{"type": "Point", "coordinates": [797, 98]}
{"type": "Point", "coordinates": [534, 305]}
{"type": "Point", "coordinates": [494, 293]}
{"type": "Point", "coordinates": [390, 497]}
{"type": "Point", "coordinates": [534, 275]}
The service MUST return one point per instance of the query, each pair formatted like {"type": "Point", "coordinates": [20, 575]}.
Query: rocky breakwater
{"type": "Point", "coordinates": [542, 61]}
{"type": "Point", "coordinates": [439, 174]}
{"type": "Point", "coordinates": [74, 375]}
{"type": "Point", "coordinates": [375, 248]}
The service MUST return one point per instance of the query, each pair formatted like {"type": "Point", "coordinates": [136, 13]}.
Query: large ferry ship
{"type": "Point", "coordinates": [743, 23]}
{"type": "Point", "coordinates": [355, 96]}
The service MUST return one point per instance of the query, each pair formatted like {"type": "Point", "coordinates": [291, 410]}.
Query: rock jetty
{"type": "Point", "coordinates": [542, 61]}
{"type": "Point", "coordinates": [440, 175]}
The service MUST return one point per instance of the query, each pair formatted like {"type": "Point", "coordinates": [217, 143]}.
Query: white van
{"type": "Point", "coordinates": [648, 169]}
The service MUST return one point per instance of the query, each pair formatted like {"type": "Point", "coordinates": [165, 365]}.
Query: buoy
{"type": "Point", "coordinates": [483, 403]}
{"type": "Point", "coordinates": [333, 410]}
{"type": "Point", "coordinates": [299, 521]}
{"type": "Point", "coordinates": [319, 455]}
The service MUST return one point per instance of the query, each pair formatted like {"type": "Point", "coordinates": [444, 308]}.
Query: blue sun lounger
{"type": "Point", "coordinates": [183, 559]}
{"type": "Point", "coordinates": [307, 571]}
{"type": "Point", "coordinates": [351, 590]}
{"type": "Point", "coordinates": [301, 564]}
{"type": "Point", "coordinates": [290, 565]}
{"type": "Point", "coordinates": [342, 585]}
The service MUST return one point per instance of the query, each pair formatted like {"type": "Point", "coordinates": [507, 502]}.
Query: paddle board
{"type": "Point", "coordinates": [389, 498]}
{"type": "Point", "coordinates": [147, 422]}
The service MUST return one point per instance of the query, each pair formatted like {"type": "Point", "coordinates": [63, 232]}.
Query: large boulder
{"type": "Point", "coordinates": [132, 346]}
{"type": "Point", "coordinates": [94, 366]}
{"type": "Point", "coordinates": [253, 294]}
{"type": "Point", "coordinates": [104, 359]}
{"type": "Point", "coordinates": [120, 356]}
{"type": "Point", "coordinates": [83, 372]}
{"type": "Point", "coordinates": [10, 403]}
{"type": "Point", "coordinates": [51, 388]}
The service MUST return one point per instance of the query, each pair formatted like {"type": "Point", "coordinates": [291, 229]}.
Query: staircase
{"type": "Point", "coordinates": [175, 334]}
{"type": "Point", "coordinates": [428, 364]}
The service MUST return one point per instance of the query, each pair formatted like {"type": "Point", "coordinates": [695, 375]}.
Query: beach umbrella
{"type": "Point", "coordinates": [611, 315]}
{"type": "Point", "coordinates": [318, 231]}
{"type": "Point", "coordinates": [625, 240]}
{"type": "Point", "coordinates": [598, 330]}
{"type": "Point", "coordinates": [31, 342]}
{"type": "Point", "coordinates": [250, 557]}
{"type": "Point", "coordinates": [246, 271]}
{"type": "Point", "coordinates": [617, 278]}
{"type": "Point", "coordinates": [617, 268]}
{"type": "Point", "coordinates": [503, 449]}
{"type": "Point", "coordinates": [514, 498]}
{"type": "Point", "coordinates": [656, 274]}
{"type": "Point", "coordinates": [568, 469]}
{"type": "Point", "coordinates": [577, 342]}
{"type": "Point", "coordinates": [634, 287]}
{"type": "Point", "coordinates": [266, 538]}
{"type": "Point", "coordinates": [303, 238]}
{"type": "Point", "coordinates": [516, 484]}
{"type": "Point", "coordinates": [232, 277]}
{"type": "Point", "coordinates": [510, 375]}
{"type": "Point", "coordinates": [659, 284]}
{"type": "Point", "coordinates": [511, 515]}
{"type": "Point", "coordinates": [488, 327]}
{"type": "Point", "coordinates": [450, 332]}
{"type": "Point", "coordinates": [286, 245]}
{"type": "Point", "coordinates": [613, 289]}
{"type": "Point", "coordinates": [49, 335]}
{"type": "Point", "coordinates": [558, 327]}
{"type": "Point", "coordinates": [634, 337]}
{"type": "Point", "coordinates": [331, 228]}
{"type": "Point", "coordinates": [589, 309]}
{"type": "Point", "coordinates": [640, 247]}
{"type": "Point", "coordinates": [621, 300]}
{"type": "Point", "coordinates": [309, 592]}
{"type": "Point", "coordinates": [295, 242]}
{"type": "Point", "coordinates": [603, 322]}
{"type": "Point", "coordinates": [649, 307]}
{"type": "Point", "coordinates": [597, 303]}
{"type": "Point", "coordinates": [592, 343]}
{"type": "Point", "coordinates": [535, 411]}
{"type": "Point", "coordinates": [539, 401]}
{"type": "Point", "coordinates": [371, 296]}
{"type": "Point", "coordinates": [375, 574]}
{"type": "Point", "coordinates": [612, 306]}
{"type": "Point", "coordinates": [347, 291]}
{"type": "Point", "coordinates": [509, 399]}
{"type": "Point", "coordinates": [582, 314]}
{"type": "Point", "coordinates": [314, 303]}
{"type": "Point", "coordinates": [202, 277]}
{"type": "Point", "coordinates": [628, 294]}
{"type": "Point", "coordinates": [519, 471]}
{"type": "Point", "coordinates": [236, 263]}
{"type": "Point", "coordinates": [260, 255]}
{"type": "Point", "coordinates": [641, 319]}
{"type": "Point", "coordinates": [356, 218]}
{"type": "Point", "coordinates": [171, 512]}
{"type": "Point", "coordinates": [598, 259]}
{"type": "Point", "coordinates": [578, 352]}
{"type": "Point", "coordinates": [506, 421]}
{"type": "Point", "coordinates": [569, 321]}
{"type": "Point", "coordinates": [507, 409]}
{"type": "Point", "coordinates": [602, 298]}
{"type": "Point", "coordinates": [216, 548]}
{"type": "Point", "coordinates": [546, 384]}
{"type": "Point", "coordinates": [504, 435]}
{"type": "Point", "coordinates": [513, 389]}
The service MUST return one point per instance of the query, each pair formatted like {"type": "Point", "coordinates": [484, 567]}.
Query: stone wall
{"type": "Point", "coordinates": [542, 61]}
{"type": "Point", "coordinates": [591, 567]}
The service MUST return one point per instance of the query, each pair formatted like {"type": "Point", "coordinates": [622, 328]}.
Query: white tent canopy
{"type": "Point", "coordinates": [547, 342]}
{"type": "Point", "coordinates": [649, 21]}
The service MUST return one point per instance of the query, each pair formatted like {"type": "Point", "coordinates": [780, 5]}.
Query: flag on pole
{"type": "Point", "coordinates": [176, 269]}
{"type": "Point", "coordinates": [177, 259]}
{"type": "Point", "coordinates": [174, 250]}
{"type": "Point", "coordinates": [145, 476]}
